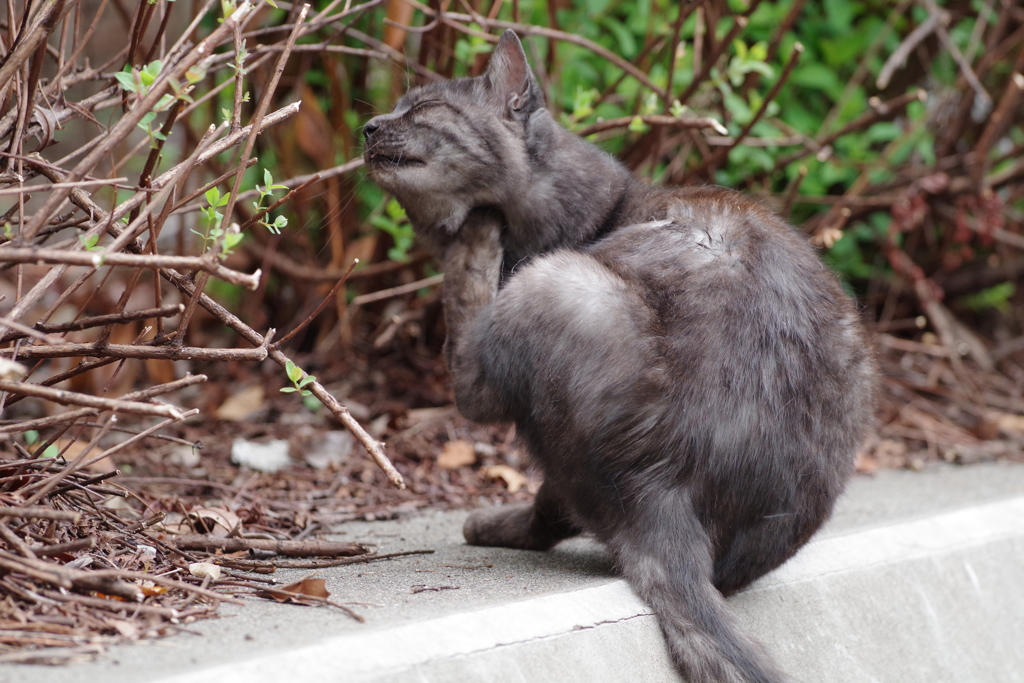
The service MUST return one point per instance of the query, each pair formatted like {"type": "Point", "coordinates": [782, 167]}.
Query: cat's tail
{"type": "Point", "coordinates": [666, 557]}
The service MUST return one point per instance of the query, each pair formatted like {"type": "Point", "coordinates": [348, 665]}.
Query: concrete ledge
{"type": "Point", "coordinates": [926, 587]}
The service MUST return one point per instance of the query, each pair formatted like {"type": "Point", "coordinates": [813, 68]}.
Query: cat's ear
{"type": "Point", "coordinates": [510, 78]}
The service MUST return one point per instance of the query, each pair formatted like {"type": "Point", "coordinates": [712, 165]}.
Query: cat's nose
{"type": "Point", "coordinates": [371, 127]}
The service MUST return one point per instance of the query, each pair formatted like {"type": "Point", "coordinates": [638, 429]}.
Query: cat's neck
{"type": "Point", "coordinates": [578, 196]}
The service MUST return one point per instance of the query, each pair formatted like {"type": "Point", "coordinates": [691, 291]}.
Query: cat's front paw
{"type": "Point", "coordinates": [480, 232]}
{"type": "Point", "coordinates": [475, 251]}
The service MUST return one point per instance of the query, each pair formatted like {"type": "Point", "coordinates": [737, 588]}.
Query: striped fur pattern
{"type": "Point", "coordinates": [689, 376]}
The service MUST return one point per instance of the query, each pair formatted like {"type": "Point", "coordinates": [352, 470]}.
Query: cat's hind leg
{"type": "Point", "coordinates": [532, 526]}
{"type": "Point", "coordinates": [757, 549]}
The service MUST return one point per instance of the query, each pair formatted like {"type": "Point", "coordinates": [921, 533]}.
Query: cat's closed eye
{"type": "Point", "coordinates": [425, 103]}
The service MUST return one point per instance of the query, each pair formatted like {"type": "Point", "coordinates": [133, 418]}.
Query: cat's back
{"type": "Point", "coordinates": [713, 237]}
{"type": "Point", "coordinates": [744, 307]}
{"type": "Point", "coordinates": [711, 261]}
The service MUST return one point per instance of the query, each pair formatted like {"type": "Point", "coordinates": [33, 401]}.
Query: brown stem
{"type": "Point", "coordinates": [739, 23]}
{"type": "Point", "coordinates": [305, 548]}
{"type": "Point", "coordinates": [398, 291]}
{"type": "Point", "coordinates": [97, 321]}
{"type": "Point", "coordinates": [120, 130]}
{"type": "Point", "coordinates": [154, 261]}
{"type": "Point", "coordinates": [72, 415]}
{"type": "Point", "coordinates": [372, 446]}
{"type": "Point", "coordinates": [136, 351]}
{"type": "Point", "coordinates": [30, 512]}
{"type": "Point", "coordinates": [64, 397]}
{"type": "Point", "coordinates": [267, 209]}
{"type": "Point", "coordinates": [997, 124]}
{"type": "Point", "coordinates": [723, 152]}
{"type": "Point", "coordinates": [319, 309]}
{"type": "Point", "coordinates": [137, 438]}
{"type": "Point", "coordinates": [653, 120]}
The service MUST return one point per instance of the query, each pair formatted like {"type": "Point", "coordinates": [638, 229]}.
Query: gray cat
{"type": "Point", "coordinates": [689, 376]}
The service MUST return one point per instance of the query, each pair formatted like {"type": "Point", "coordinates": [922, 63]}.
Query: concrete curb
{"type": "Point", "coordinates": [955, 621]}
{"type": "Point", "coordinates": [917, 579]}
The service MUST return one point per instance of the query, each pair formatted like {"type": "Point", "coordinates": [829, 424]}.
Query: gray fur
{"type": "Point", "coordinates": [690, 377]}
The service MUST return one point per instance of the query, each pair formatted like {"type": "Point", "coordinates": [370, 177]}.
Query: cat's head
{"type": "Point", "coordinates": [450, 147]}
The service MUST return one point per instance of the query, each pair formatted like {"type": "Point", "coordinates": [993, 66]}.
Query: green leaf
{"type": "Point", "coordinates": [149, 73]}
{"type": "Point", "coordinates": [583, 104]}
{"type": "Point", "coordinates": [818, 76]}
{"type": "Point", "coordinates": [196, 73]}
{"type": "Point", "coordinates": [741, 49]}
{"type": "Point", "coordinates": [164, 102]}
{"type": "Point", "coordinates": [288, 390]}
{"type": "Point", "coordinates": [997, 297]}
{"type": "Point", "coordinates": [212, 196]}
{"type": "Point", "coordinates": [146, 120]}
{"type": "Point", "coordinates": [126, 79]}
{"type": "Point", "coordinates": [625, 38]}
{"type": "Point", "coordinates": [31, 436]}
{"type": "Point", "coordinates": [293, 371]}
{"type": "Point", "coordinates": [395, 210]}
{"type": "Point", "coordinates": [232, 240]}
{"type": "Point", "coordinates": [884, 131]}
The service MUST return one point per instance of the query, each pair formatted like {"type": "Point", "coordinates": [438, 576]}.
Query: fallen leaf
{"type": "Point", "coordinates": [173, 523]}
{"type": "Point", "coordinates": [217, 521]}
{"type": "Point", "coordinates": [456, 454]}
{"type": "Point", "coordinates": [125, 628]}
{"type": "Point", "coordinates": [312, 587]}
{"type": "Point", "coordinates": [239, 406]}
{"type": "Point", "coordinates": [204, 569]}
{"type": "Point", "coordinates": [1010, 423]}
{"type": "Point", "coordinates": [152, 589]}
{"type": "Point", "coordinates": [48, 123]}
{"type": "Point", "coordinates": [513, 480]}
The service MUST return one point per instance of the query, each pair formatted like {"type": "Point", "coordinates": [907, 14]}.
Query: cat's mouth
{"type": "Point", "coordinates": [379, 158]}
